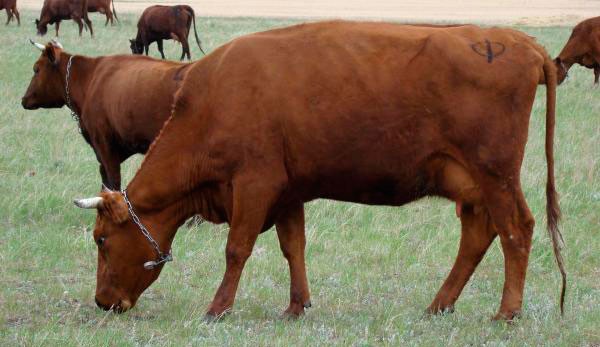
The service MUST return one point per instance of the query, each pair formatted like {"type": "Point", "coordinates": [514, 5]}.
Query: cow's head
{"type": "Point", "coordinates": [42, 28]}
{"type": "Point", "coordinates": [562, 71]}
{"type": "Point", "coordinates": [46, 86]}
{"type": "Point", "coordinates": [122, 252]}
{"type": "Point", "coordinates": [136, 47]}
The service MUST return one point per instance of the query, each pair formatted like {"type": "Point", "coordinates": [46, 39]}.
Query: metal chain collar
{"type": "Point", "coordinates": [162, 257]}
{"type": "Point", "coordinates": [67, 91]}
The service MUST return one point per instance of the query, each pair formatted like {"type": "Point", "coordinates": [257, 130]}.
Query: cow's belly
{"type": "Point", "coordinates": [390, 190]}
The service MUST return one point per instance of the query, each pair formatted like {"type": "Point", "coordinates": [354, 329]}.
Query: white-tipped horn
{"type": "Point", "coordinates": [37, 45]}
{"type": "Point", "coordinates": [88, 203]}
{"type": "Point", "coordinates": [57, 44]}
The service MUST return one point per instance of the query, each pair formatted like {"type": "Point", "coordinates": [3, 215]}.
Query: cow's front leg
{"type": "Point", "coordinates": [292, 240]}
{"type": "Point", "coordinates": [111, 175]}
{"type": "Point", "coordinates": [57, 26]}
{"type": "Point", "coordinates": [251, 203]}
{"type": "Point", "coordinates": [110, 165]}
{"type": "Point", "coordinates": [596, 75]}
{"type": "Point", "coordinates": [159, 43]}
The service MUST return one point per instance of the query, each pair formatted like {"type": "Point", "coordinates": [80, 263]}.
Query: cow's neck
{"type": "Point", "coordinates": [80, 75]}
{"type": "Point", "coordinates": [176, 171]}
{"type": "Point", "coordinates": [163, 223]}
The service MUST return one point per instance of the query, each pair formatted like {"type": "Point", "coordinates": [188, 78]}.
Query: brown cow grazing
{"type": "Point", "coordinates": [54, 11]}
{"type": "Point", "coordinates": [11, 10]}
{"type": "Point", "coordinates": [121, 101]}
{"type": "Point", "coordinates": [583, 48]}
{"type": "Point", "coordinates": [159, 23]}
{"type": "Point", "coordinates": [103, 6]}
{"type": "Point", "coordinates": [374, 113]}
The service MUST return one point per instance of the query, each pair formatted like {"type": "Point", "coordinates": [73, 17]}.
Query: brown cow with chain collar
{"type": "Point", "coordinates": [121, 101]}
{"type": "Point", "coordinates": [372, 113]}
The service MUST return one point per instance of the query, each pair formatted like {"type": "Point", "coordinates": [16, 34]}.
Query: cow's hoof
{"type": "Point", "coordinates": [214, 318]}
{"type": "Point", "coordinates": [291, 316]}
{"type": "Point", "coordinates": [509, 316]}
{"type": "Point", "coordinates": [293, 312]}
{"type": "Point", "coordinates": [434, 310]}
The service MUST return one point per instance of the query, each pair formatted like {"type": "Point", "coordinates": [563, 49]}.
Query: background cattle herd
{"type": "Point", "coordinates": [115, 138]}
{"type": "Point", "coordinates": [156, 24]}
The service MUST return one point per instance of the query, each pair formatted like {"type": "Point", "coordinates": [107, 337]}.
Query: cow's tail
{"type": "Point", "coordinates": [552, 206]}
{"type": "Point", "coordinates": [191, 11]}
{"type": "Point", "coordinates": [113, 10]}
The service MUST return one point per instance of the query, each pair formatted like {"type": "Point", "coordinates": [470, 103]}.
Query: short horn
{"type": "Point", "coordinates": [88, 203]}
{"type": "Point", "coordinates": [38, 45]}
{"type": "Point", "coordinates": [57, 44]}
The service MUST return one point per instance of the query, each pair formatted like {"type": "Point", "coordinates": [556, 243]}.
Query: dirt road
{"type": "Point", "coordinates": [527, 12]}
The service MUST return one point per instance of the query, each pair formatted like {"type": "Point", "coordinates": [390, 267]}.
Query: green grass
{"type": "Point", "coordinates": [372, 270]}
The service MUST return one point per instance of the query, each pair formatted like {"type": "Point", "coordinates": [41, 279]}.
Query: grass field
{"type": "Point", "coordinates": [372, 270]}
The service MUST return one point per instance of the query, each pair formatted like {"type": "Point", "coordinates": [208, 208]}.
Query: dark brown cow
{"type": "Point", "coordinates": [583, 48]}
{"type": "Point", "coordinates": [55, 11]}
{"type": "Point", "coordinates": [103, 6]}
{"type": "Point", "coordinates": [159, 23]}
{"type": "Point", "coordinates": [373, 113]}
{"type": "Point", "coordinates": [122, 101]}
{"type": "Point", "coordinates": [11, 10]}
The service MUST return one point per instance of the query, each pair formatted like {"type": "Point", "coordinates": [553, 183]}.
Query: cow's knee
{"type": "Point", "coordinates": [236, 256]}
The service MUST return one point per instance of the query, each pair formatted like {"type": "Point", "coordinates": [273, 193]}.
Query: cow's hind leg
{"type": "Point", "coordinates": [476, 236]}
{"type": "Point", "coordinates": [56, 27]}
{"type": "Point", "coordinates": [452, 180]}
{"type": "Point", "coordinates": [292, 240]}
{"type": "Point", "coordinates": [79, 23]}
{"type": "Point", "coordinates": [514, 223]}
{"type": "Point", "coordinates": [16, 13]}
{"type": "Point", "coordinates": [88, 22]}
{"type": "Point", "coordinates": [596, 75]}
{"type": "Point", "coordinates": [251, 204]}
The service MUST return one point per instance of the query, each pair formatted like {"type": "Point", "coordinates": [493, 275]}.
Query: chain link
{"type": "Point", "coordinates": [74, 115]}
{"type": "Point", "coordinates": [162, 257]}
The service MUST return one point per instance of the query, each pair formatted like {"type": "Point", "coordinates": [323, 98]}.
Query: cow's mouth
{"type": "Point", "coordinates": [120, 307]}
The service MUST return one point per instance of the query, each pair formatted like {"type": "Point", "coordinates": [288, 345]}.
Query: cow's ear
{"type": "Point", "coordinates": [114, 206]}
{"type": "Point", "coordinates": [53, 54]}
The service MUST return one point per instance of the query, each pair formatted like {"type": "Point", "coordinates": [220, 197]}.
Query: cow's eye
{"type": "Point", "coordinates": [100, 241]}
{"type": "Point", "coordinates": [36, 69]}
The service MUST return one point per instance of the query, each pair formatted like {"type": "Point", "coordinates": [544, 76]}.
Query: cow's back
{"type": "Point", "coordinates": [369, 103]}
{"type": "Point", "coordinates": [132, 102]}
{"type": "Point", "coordinates": [160, 18]}
{"type": "Point", "coordinates": [64, 9]}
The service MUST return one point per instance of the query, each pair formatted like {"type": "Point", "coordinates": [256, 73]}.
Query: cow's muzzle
{"type": "Point", "coordinates": [27, 104]}
{"type": "Point", "coordinates": [120, 307]}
